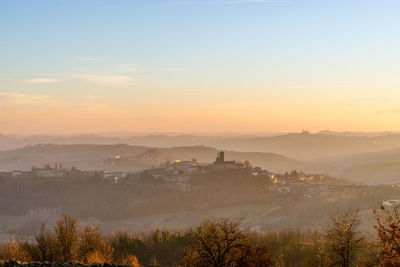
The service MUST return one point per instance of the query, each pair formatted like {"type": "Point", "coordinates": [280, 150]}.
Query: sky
{"type": "Point", "coordinates": [87, 66]}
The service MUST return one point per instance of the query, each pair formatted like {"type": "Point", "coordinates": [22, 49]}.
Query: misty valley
{"type": "Point", "coordinates": [199, 133]}
{"type": "Point", "coordinates": [141, 188]}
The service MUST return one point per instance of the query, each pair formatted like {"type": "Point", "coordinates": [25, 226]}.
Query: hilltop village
{"type": "Point", "coordinates": [180, 172]}
{"type": "Point", "coordinates": [183, 192]}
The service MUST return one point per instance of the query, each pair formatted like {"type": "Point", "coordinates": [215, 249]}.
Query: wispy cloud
{"type": "Point", "coordinates": [90, 59]}
{"type": "Point", "coordinates": [325, 86]}
{"type": "Point", "coordinates": [106, 79]}
{"type": "Point", "coordinates": [126, 68]}
{"type": "Point", "coordinates": [91, 97]}
{"type": "Point", "coordinates": [96, 108]}
{"type": "Point", "coordinates": [40, 80]}
{"type": "Point", "coordinates": [13, 99]}
{"type": "Point", "coordinates": [165, 70]}
{"type": "Point", "coordinates": [388, 111]}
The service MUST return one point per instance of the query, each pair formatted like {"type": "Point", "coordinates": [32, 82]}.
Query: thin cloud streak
{"type": "Point", "coordinates": [389, 111]}
{"type": "Point", "coordinates": [24, 99]}
{"type": "Point", "coordinates": [40, 80]}
{"type": "Point", "coordinates": [90, 59]}
{"type": "Point", "coordinates": [106, 79]}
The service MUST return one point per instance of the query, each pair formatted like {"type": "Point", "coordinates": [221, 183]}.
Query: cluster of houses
{"type": "Point", "coordinates": [58, 171]}
{"type": "Point", "coordinates": [179, 172]}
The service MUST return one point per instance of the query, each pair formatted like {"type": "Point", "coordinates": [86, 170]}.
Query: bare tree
{"type": "Point", "coordinates": [92, 247]}
{"type": "Point", "coordinates": [15, 249]}
{"type": "Point", "coordinates": [222, 243]}
{"type": "Point", "coordinates": [67, 237]}
{"type": "Point", "coordinates": [344, 239]}
{"type": "Point", "coordinates": [247, 165]}
{"type": "Point", "coordinates": [46, 245]}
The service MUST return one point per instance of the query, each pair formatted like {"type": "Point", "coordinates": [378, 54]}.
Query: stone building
{"type": "Point", "coordinates": [222, 164]}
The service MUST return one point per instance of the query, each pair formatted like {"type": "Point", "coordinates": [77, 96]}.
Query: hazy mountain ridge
{"type": "Point", "coordinates": [122, 156]}
{"type": "Point", "coordinates": [371, 168]}
{"type": "Point", "coordinates": [363, 134]}
{"type": "Point", "coordinates": [302, 146]}
{"type": "Point", "coordinates": [341, 154]}
{"type": "Point", "coordinates": [9, 142]}
{"type": "Point", "coordinates": [82, 156]}
{"type": "Point", "coordinates": [374, 173]}
{"type": "Point", "coordinates": [297, 145]}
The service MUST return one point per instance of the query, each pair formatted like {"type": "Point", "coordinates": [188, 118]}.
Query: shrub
{"type": "Point", "coordinates": [67, 237]}
{"type": "Point", "coordinates": [221, 243]}
{"type": "Point", "coordinates": [92, 247]}
{"type": "Point", "coordinates": [16, 250]}
{"type": "Point", "coordinates": [46, 246]}
{"type": "Point", "coordinates": [130, 260]}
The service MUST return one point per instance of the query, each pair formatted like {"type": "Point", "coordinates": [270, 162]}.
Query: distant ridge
{"type": "Point", "coordinates": [135, 157]}
{"type": "Point", "coordinates": [360, 134]}
{"type": "Point", "coordinates": [302, 146]}
{"type": "Point", "coordinates": [371, 168]}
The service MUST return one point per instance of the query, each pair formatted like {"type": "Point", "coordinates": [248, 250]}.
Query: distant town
{"type": "Point", "coordinates": [179, 173]}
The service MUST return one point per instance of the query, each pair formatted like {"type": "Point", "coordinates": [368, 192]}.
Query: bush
{"type": "Point", "coordinates": [16, 249]}
{"type": "Point", "coordinates": [92, 247]}
{"type": "Point", "coordinates": [67, 237]}
{"type": "Point", "coordinates": [130, 260]}
{"type": "Point", "coordinates": [221, 243]}
{"type": "Point", "coordinates": [46, 246]}
{"type": "Point", "coordinates": [66, 244]}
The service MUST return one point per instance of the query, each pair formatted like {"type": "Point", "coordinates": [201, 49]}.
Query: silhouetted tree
{"type": "Point", "coordinates": [46, 244]}
{"type": "Point", "coordinates": [344, 239]}
{"type": "Point", "coordinates": [248, 165]}
{"type": "Point", "coordinates": [221, 243]}
{"type": "Point", "coordinates": [92, 247]}
{"type": "Point", "coordinates": [388, 228]}
{"type": "Point", "coordinates": [67, 237]}
{"type": "Point", "coordinates": [15, 249]}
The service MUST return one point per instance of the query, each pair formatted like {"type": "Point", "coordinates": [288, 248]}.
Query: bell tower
{"type": "Point", "coordinates": [222, 156]}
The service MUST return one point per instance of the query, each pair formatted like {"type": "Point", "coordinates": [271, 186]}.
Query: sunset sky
{"type": "Point", "coordinates": [85, 66]}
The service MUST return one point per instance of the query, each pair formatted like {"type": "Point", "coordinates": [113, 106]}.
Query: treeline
{"type": "Point", "coordinates": [65, 243]}
{"type": "Point", "coordinates": [217, 243]}
{"type": "Point", "coordinates": [106, 201]}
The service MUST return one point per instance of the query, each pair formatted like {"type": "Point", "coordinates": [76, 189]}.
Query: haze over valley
{"type": "Point", "coordinates": [209, 133]}
{"type": "Point", "coordinates": [360, 158]}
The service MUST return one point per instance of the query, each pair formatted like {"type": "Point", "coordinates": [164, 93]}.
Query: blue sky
{"type": "Point", "coordinates": [162, 64]}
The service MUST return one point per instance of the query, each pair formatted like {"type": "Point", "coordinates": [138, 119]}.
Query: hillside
{"type": "Point", "coordinates": [339, 154]}
{"type": "Point", "coordinates": [304, 147]}
{"type": "Point", "coordinates": [362, 158]}
{"type": "Point", "coordinates": [316, 146]}
{"type": "Point", "coordinates": [369, 168]}
{"type": "Point", "coordinates": [81, 156]}
{"type": "Point", "coordinates": [125, 157]}
{"type": "Point", "coordinates": [299, 146]}
{"type": "Point", "coordinates": [10, 142]}
{"type": "Point", "coordinates": [374, 173]}
{"type": "Point", "coordinates": [270, 161]}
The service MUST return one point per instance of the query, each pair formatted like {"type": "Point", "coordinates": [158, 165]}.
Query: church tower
{"type": "Point", "coordinates": [222, 156]}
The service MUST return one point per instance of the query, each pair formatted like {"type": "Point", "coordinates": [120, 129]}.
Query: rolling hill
{"type": "Point", "coordinates": [302, 146]}
{"type": "Point", "coordinates": [81, 156]}
{"type": "Point", "coordinates": [370, 168]}
{"type": "Point", "coordinates": [374, 173]}
{"type": "Point", "coordinates": [125, 157]}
